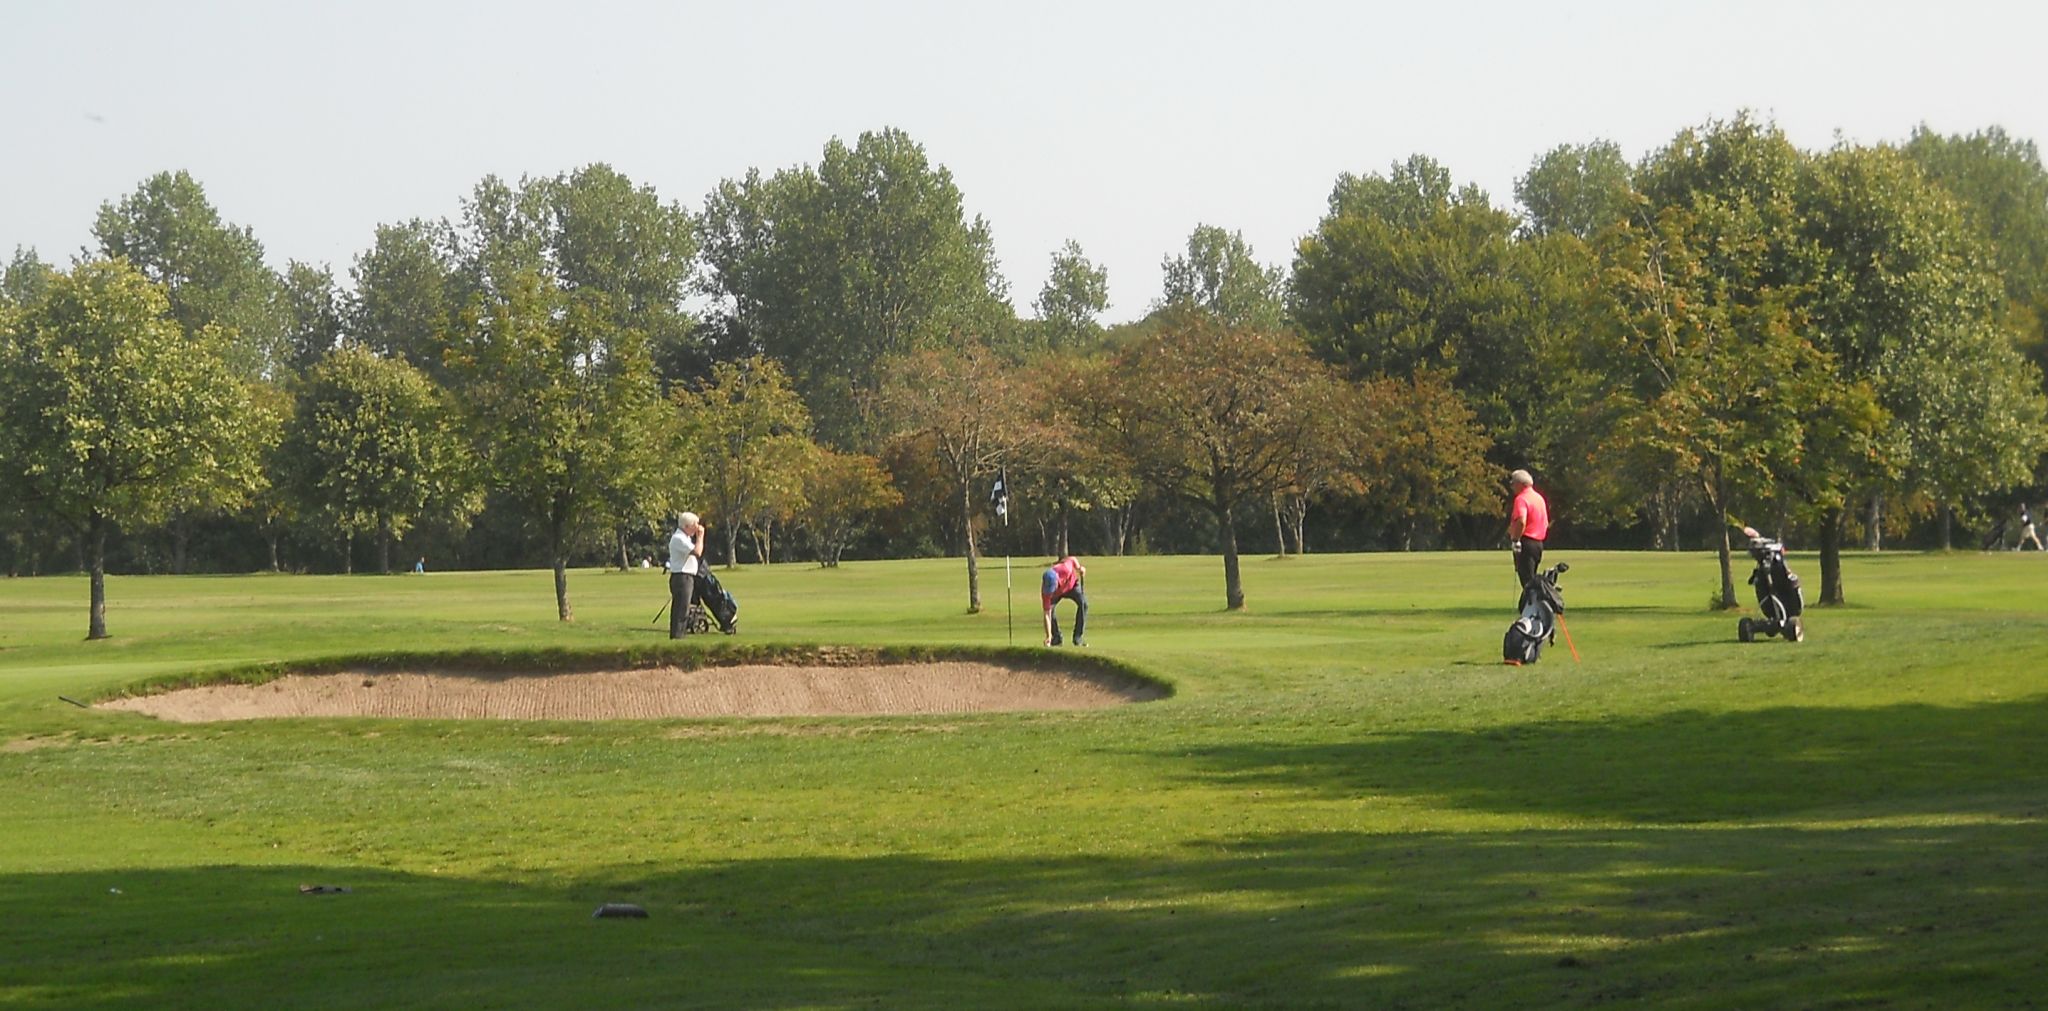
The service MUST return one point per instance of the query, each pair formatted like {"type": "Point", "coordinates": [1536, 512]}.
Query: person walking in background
{"type": "Point", "coordinates": [685, 551]}
{"type": "Point", "coordinates": [1063, 581]}
{"type": "Point", "coordinates": [1528, 525]}
{"type": "Point", "coordinates": [2026, 530]}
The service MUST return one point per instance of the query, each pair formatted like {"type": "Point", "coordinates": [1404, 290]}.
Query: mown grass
{"type": "Point", "coordinates": [1347, 803]}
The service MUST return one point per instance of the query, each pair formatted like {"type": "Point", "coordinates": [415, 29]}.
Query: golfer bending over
{"type": "Point", "coordinates": [685, 551]}
{"type": "Point", "coordinates": [1063, 582]}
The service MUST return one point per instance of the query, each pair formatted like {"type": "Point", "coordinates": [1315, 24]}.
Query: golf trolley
{"type": "Point", "coordinates": [1777, 594]}
{"type": "Point", "coordinates": [1542, 603]}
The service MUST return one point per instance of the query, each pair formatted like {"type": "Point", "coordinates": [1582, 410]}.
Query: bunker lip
{"type": "Point", "coordinates": [423, 690]}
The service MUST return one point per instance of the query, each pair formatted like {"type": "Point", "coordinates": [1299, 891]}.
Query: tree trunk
{"type": "Point", "coordinates": [558, 551]}
{"type": "Point", "coordinates": [1717, 500]}
{"type": "Point", "coordinates": [732, 545]}
{"type": "Point", "coordinates": [625, 564]}
{"type": "Point", "coordinates": [270, 535]}
{"type": "Point", "coordinates": [1233, 584]}
{"type": "Point", "coordinates": [1948, 518]}
{"type": "Point", "coordinates": [1873, 524]}
{"type": "Point", "coordinates": [765, 535]}
{"type": "Point", "coordinates": [181, 539]}
{"type": "Point", "coordinates": [1065, 549]}
{"type": "Point", "coordinates": [348, 553]}
{"type": "Point", "coordinates": [1831, 556]}
{"type": "Point", "coordinates": [384, 539]}
{"type": "Point", "coordinates": [973, 558]}
{"type": "Point", "coordinates": [1279, 531]}
{"type": "Point", "coordinates": [96, 548]}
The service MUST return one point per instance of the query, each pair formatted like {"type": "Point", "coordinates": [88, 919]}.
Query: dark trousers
{"type": "Point", "coordinates": [1527, 561]}
{"type": "Point", "coordinates": [681, 586]}
{"type": "Point", "coordinates": [1080, 599]}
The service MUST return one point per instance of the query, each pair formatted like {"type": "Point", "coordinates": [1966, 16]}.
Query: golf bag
{"type": "Point", "coordinates": [713, 601]}
{"type": "Point", "coordinates": [1542, 602]}
{"type": "Point", "coordinates": [1777, 595]}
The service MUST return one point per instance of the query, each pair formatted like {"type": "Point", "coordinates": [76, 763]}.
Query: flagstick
{"type": "Point", "coordinates": [1009, 614]}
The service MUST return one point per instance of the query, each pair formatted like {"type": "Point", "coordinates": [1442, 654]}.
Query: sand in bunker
{"type": "Point", "coordinates": [754, 690]}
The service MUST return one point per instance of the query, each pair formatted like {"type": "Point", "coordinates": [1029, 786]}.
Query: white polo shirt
{"type": "Point", "coordinates": [682, 553]}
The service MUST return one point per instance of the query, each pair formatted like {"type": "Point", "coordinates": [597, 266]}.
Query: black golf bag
{"type": "Point", "coordinates": [1777, 595]}
{"type": "Point", "coordinates": [1542, 602]}
{"type": "Point", "coordinates": [713, 601]}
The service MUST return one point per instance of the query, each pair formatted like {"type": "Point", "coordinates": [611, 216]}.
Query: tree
{"type": "Point", "coordinates": [26, 278]}
{"type": "Point", "coordinates": [842, 491]}
{"type": "Point", "coordinates": [564, 280]}
{"type": "Point", "coordinates": [1076, 292]}
{"type": "Point", "coordinates": [1218, 418]}
{"type": "Point", "coordinates": [374, 449]}
{"type": "Point", "coordinates": [212, 271]}
{"type": "Point", "coordinates": [1907, 305]}
{"type": "Point", "coordinates": [1407, 273]}
{"type": "Point", "coordinates": [964, 404]}
{"type": "Point", "coordinates": [110, 414]}
{"type": "Point", "coordinates": [829, 270]}
{"type": "Point", "coordinates": [1704, 367]}
{"type": "Point", "coordinates": [1416, 454]}
{"type": "Point", "coordinates": [404, 303]}
{"type": "Point", "coordinates": [737, 427]}
{"type": "Point", "coordinates": [1219, 276]}
{"type": "Point", "coordinates": [312, 315]}
{"type": "Point", "coordinates": [1576, 189]}
{"type": "Point", "coordinates": [2003, 189]}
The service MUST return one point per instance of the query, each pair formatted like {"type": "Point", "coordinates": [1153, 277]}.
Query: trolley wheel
{"type": "Point", "coordinates": [1745, 630]}
{"type": "Point", "coordinates": [698, 622]}
{"type": "Point", "coordinates": [1795, 630]}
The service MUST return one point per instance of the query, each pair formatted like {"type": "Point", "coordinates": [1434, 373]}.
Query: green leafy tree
{"type": "Point", "coordinates": [829, 270]}
{"type": "Point", "coordinates": [743, 430]}
{"type": "Point", "coordinates": [26, 278]}
{"type": "Point", "coordinates": [1219, 276]}
{"type": "Point", "coordinates": [110, 414]}
{"type": "Point", "coordinates": [1576, 189]}
{"type": "Point", "coordinates": [1218, 418]}
{"type": "Point", "coordinates": [212, 271]}
{"type": "Point", "coordinates": [404, 301]}
{"type": "Point", "coordinates": [375, 449]}
{"type": "Point", "coordinates": [1407, 272]}
{"type": "Point", "coordinates": [2003, 189]}
{"type": "Point", "coordinates": [312, 314]}
{"type": "Point", "coordinates": [1076, 291]}
{"type": "Point", "coordinates": [566, 279]}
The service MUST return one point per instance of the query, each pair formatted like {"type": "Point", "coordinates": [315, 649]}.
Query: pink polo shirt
{"type": "Point", "coordinates": [1535, 514]}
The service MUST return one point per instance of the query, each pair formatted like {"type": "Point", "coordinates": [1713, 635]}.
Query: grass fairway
{"type": "Point", "coordinates": [1348, 803]}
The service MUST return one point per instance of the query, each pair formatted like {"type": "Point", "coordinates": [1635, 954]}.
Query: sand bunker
{"type": "Point", "coordinates": [652, 693]}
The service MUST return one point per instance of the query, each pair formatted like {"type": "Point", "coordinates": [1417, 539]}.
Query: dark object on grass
{"type": "Point", "coordinates": [1777, 594]}
{"type": "Point", "coordinates": [619, 911]}
{"type": "Point", "coordinates": [324, 889]}
{"type": "Point", "coordinates": [1542, 604]}
{"type": "Point", "coordinates": [712, 596]}
{"type": "Point", "coordinates": [74, 702]}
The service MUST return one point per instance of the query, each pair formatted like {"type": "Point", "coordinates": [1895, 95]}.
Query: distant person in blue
{"type": "Point", "coordinates": [419, 568]}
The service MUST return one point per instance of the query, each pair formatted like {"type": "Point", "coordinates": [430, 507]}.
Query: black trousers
{"type": "Point", "coordinates": [681, 586]}
{"type": "Point", "coordinates": [1528, 561]}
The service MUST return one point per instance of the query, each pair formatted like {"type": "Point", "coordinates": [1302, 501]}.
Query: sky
{"type": "Point", "coordinates": [1119, 125]}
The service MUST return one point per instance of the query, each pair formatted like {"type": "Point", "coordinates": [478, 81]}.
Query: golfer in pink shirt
{"type": "Point", "coordinates": [1528, 525]}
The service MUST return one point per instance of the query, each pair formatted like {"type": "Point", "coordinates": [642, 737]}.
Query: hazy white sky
{"type": "Point", "coordinates": [1119, 125]}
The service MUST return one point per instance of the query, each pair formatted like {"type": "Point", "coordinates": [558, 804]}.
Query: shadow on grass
{"type": "Point", "coordinates": [1673, 768]}
{"type": "Point", "coordinates": [1677, 917]}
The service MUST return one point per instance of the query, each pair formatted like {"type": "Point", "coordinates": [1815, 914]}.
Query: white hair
{"type": "Point", "coordinates": [687, 520]}
{"type": "Point", "coordinates": [1520, 478]}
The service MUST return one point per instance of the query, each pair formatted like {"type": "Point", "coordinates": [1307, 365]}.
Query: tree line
{"type": "Point", "coordinates": [1823, 343]}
